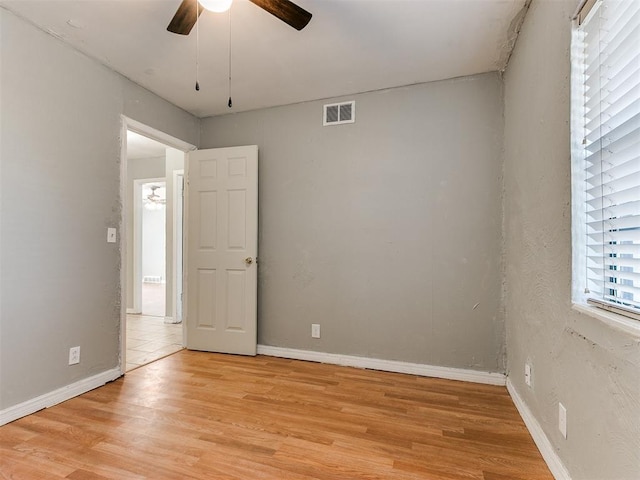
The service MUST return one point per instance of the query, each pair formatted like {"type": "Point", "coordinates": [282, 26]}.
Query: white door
{"type": "Point", "coordinates": [221, 205]}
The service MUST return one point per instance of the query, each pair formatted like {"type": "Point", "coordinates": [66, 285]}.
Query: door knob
{"type": "Point", "coordinates": [248, 260]}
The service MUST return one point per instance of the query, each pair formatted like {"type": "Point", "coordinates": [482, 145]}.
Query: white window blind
{"type": "Point", "coordinates": [610, 36]}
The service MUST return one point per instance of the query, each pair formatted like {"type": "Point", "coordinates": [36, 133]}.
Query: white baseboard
{"type": "Point", "coordinates": [57, 396]}
{"type": "Point", "coordinates": [465, 375]}
{"type": "Point", "coordinates": [133, 311]}
{"type": "Point", "coordinates": [541, 440]}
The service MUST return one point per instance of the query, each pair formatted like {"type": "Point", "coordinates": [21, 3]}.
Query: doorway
{"type": "Point", "coordinates": [152, 171]}
{"type": "Point", "coordinates": [153, 251]}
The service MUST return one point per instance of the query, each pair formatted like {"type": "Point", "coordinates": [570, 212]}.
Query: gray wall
{"type": "Point", "coordinates": [60, 190]}
{"type": "Point", "coordinates": [594, 370]}
{"type": "Point", "coordinates": [386, 232]}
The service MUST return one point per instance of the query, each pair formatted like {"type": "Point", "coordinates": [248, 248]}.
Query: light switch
{"type": "Point", "coordinates": [111, 235]}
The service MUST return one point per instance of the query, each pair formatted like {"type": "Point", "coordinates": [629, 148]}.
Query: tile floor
{"type": "Point", "coordinates": [149, 338]}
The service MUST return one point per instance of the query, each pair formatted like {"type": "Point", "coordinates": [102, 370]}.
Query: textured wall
{"type": "Point", "coordinates": [386, 232]}
{"type": "Point", "coordinates": [593, 369]}
{"type": "Point", "coordinates": [60, 190]}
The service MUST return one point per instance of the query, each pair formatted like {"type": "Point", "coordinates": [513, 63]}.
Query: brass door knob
{"type": "Point", "coordinates": [248, 260]}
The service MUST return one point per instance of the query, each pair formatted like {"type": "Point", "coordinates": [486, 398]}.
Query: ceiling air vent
{"type": "Point", "coordinates": [338, 113]}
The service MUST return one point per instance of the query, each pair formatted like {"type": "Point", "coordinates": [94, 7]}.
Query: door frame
{"type": "Point", "coordinates": [178, 239]}
{"type": "Point", "coordinates": [127, 123]}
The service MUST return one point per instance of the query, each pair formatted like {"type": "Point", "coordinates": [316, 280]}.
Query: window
{"type": "Point", "coordinates": [606, 155]}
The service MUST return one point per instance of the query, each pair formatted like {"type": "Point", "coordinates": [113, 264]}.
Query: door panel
{"type": "Point", "coordinates": [236, 301]}
{"type": "Point", "coordinates": [222, 244]}
{"type": "Point", "coordinates": [237, 224]}
{"type": "Point", "coordinates": [206, 313]}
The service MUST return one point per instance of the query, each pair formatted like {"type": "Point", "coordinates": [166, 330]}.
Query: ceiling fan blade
{"type": "Point", "coordinates": [185, 17]}
{"type": "Point", "coordinates": [287, 11]}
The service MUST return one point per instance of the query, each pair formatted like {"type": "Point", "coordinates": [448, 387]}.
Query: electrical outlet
{"type": "Point", "coordinates": [527, 374]}
{"type": "Point", "coordinates": [74, 355]}
{"type": "Point", "coordinates": [562, 419]}
{"type": "Point", "coordinates": [315, 330]}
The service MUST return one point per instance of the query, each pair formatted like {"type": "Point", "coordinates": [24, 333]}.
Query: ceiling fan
{"type": "Point", "coordinates": [153, 201]}
{"type": "Point", "coordinates": [189, 11]}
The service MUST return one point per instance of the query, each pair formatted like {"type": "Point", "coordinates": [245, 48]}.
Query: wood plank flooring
{"type": "Point", "coordinates": [196, 415]}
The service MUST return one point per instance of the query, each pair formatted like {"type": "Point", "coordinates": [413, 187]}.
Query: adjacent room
{"type": "Point", "coordinates": [336, 239]}
{"type": "Point", "coordinates": [153, 250]}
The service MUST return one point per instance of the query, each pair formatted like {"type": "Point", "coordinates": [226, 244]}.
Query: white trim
{"type": "Point", "coordinates": [132, 311]}
{"type": "Point", "coordinates": [185, 251]}
{"type": "Point", "coordinates": [57, 396]}
{"type": "Point", "coordinates": [543, 443]}
{"type": "Point", "coordinates": [134, 249]}
{"type": "Point", "coordinates": [178, 201]}
{"type": "Point", "coordinates": [122, 243]}
{"type": "Point", "coordinates": [615, 308]}
{"type": "Point", "coordinates": [157, 135]}
{"type": "Point", "coordinates": [611, 319]}
{"type": "Point", "coordinates": [489, 378]}
{"type": "Point", "coordinates": [578, 192]}
{"type": "Point", "coordinates": [169, 140]}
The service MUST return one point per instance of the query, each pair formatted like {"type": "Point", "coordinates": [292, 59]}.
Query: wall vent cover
{"type": "Point", "coordinates": [152, 279]}
{"type": "Point", "coordinates": [339, 113]}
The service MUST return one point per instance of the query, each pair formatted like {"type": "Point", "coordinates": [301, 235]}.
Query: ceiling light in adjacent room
{"type": "Point", "coordinates": [153, 200]}
{"type": "Point", "coordinates": [217, 6]}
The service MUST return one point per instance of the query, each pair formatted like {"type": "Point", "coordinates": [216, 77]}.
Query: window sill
{"type": "Point", "coordinates": [615, 321]}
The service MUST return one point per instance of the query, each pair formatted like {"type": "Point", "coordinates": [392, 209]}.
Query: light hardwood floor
{"type": "Point", "coordinates": [196, 415]}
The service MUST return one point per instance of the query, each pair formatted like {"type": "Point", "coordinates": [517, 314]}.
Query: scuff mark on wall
{"type": "Point", "coordinates": [572, 332]}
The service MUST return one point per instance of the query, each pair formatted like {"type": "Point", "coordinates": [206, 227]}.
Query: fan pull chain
{"type": "Point", "coordinates": [197, 47]}
{"type": "Point", "coordinates": [230, 103]}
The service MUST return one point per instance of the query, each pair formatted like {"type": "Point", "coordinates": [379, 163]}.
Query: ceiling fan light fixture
{"type": "Point", "coordinates": [218, 6]}
{"type": "Point", "coordinates": [153, 201]}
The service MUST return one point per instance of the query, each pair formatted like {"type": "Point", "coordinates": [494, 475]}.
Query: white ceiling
{"type": "Point", "coordinates": [349, 46]}
{"type": "Point", "coordinates": [139, 146]}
